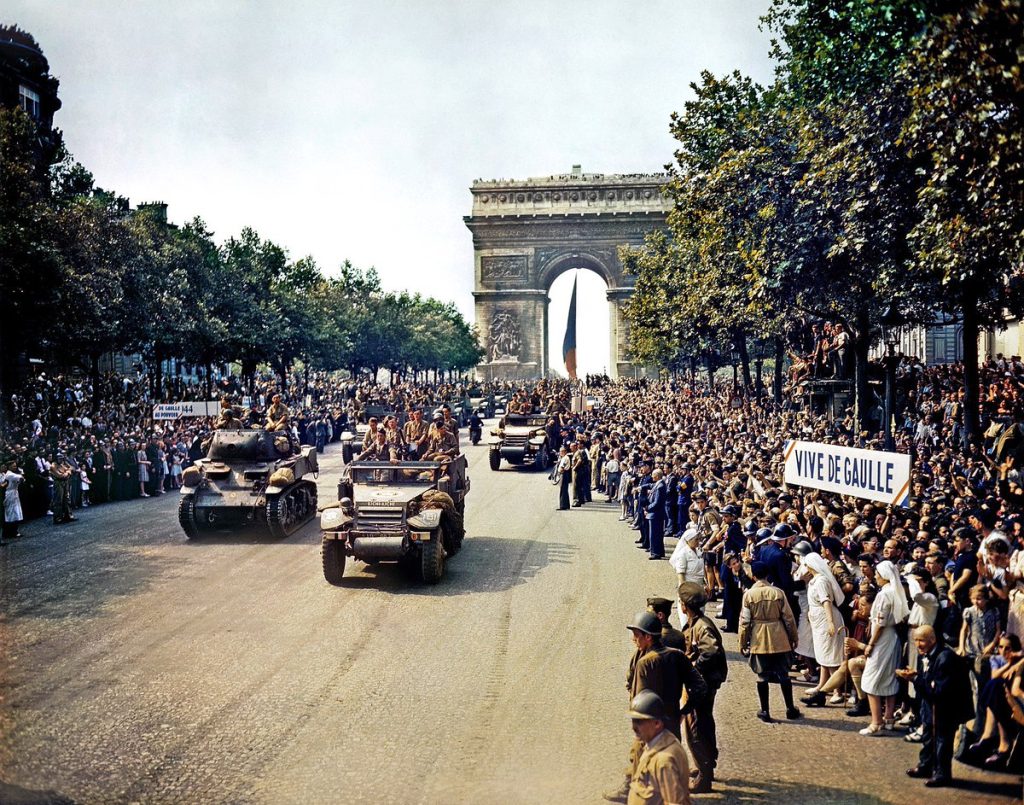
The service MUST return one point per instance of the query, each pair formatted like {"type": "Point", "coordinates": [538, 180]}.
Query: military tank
{"type": "Point", "coordinates": [249, 478]}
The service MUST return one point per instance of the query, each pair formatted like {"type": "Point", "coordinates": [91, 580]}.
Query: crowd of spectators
{"type": "Point", "coordinates": [864, 581]}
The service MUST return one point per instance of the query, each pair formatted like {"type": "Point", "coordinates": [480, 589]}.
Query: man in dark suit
{"type": "Point", "coordinates": [656, 516]}
{"type": "Point", "coordinates": [944, 688]}
{"type": "Point", "coordinates": [643, 499]}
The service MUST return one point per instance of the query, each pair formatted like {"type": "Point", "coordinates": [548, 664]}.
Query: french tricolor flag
{"type": "Point", "coordinates": [569, 343]}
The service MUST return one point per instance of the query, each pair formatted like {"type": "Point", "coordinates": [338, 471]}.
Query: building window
{"type": "Point", "coordinates": [29, 101]}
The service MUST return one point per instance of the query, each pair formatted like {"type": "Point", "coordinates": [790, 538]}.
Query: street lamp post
{"type": "Point", "coordinates": [891, 322]}
{"type": "Point", "coordinates": [735, 356]}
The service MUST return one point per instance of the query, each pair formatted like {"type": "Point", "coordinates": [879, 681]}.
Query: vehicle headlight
{"type": "Point", "coordinates": [331, 517]}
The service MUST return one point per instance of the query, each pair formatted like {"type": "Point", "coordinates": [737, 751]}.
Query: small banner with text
{"type": "Point", "coordinates": [165, 411]}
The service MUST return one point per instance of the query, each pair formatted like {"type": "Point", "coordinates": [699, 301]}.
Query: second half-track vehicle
{"type": "Point", "coordinates": [521, 439]}
{"type": "Point", "coordinates": [410, 512]}
{"type": "Point", "coordinates": [249, 478]}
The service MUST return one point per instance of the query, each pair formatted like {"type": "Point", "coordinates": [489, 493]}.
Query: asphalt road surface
{"type": "Point", "coordinates": [137, 666]}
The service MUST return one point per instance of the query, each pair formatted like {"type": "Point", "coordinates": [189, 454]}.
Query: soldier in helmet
{"type": "Point", "coordinates": [665, 671]}
{"type": "Point", "coordinates": [442, 444]}
{"type": "Point", "coordinates": [662, 771]}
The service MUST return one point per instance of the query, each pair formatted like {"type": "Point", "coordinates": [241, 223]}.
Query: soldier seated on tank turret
{"type": "Point", "coordinates": [229, 418]}
{"type": "Point", "coordinates": [278, 415]}
{"type": "Point", "coordinates": [380, 450]}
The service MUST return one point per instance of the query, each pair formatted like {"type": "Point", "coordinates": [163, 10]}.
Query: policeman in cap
{"type": "Point", "coordinates": [670, 636]}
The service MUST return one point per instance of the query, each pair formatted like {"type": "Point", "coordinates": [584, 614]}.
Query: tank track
{"type": "Point", "coordinates": [292, 509]}
{"type": "Point", "coordinates": [187, 516]}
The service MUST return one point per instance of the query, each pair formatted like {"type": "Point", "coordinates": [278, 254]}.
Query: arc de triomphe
{"type": "Point", "coordinates": [527, 232]}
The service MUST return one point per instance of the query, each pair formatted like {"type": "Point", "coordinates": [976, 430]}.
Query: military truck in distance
{"type": "Point", "coordinates": [410, 512]}
{"type": "Point", "coordinates": [249, 477]}
{"type": "Point", "coordinates": [521, 439]}
{"type": "Point", "coordinates": [352, 440]}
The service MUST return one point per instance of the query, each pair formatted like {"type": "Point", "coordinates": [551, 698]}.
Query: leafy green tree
{"type": "Point", "coordinates": [967, 93]}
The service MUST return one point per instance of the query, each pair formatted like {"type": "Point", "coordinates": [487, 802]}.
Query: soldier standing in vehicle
{"type": "Point", "coordinates": [416, 433]}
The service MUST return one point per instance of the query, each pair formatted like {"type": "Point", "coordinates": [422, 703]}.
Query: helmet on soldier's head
{"type": "Point", "coordinates": [803, 548]}
{"type": "Point", "coordinates": [647, 705]}
{"type": "Point", "coordinates": [782, 531]}
{"type": "Point", "coordinates": [645, 622]}
{"type": "Point", "coordinates": [763, 534]}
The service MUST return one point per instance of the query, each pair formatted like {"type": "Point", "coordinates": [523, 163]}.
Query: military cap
{"type": "Point", "coordinates": [659, 604]}
{"type": "Point", "coordinates": [646, 622]}
{"type": "Point", "coordinates": [732, 510]}
{"type": "Point", "coordinates": [693, 594]}
{"type": "Point", "coordinates": [700, 496]}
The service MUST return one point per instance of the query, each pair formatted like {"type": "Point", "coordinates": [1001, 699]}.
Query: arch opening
{"type": "Point", "coordinates": [593, 322]}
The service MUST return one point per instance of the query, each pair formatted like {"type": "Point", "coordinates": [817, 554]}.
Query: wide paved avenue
{"type": "Point", "coordinates": [140, 667]}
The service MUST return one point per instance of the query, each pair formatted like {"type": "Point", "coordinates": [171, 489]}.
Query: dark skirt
{"type": "Point", "coordinates": [770, 667]}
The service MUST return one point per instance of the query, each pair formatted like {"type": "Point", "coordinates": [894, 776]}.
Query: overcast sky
{"type": "Point", "coordinates": [352, 130]}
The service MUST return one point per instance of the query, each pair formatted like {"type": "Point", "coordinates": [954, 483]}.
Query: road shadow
{"type": "Point", "coordinates": [484, 565]}
{"type": "Point", "coordinates": [756, 790]}
{"type": "Point", "coordinates": [11, 794]}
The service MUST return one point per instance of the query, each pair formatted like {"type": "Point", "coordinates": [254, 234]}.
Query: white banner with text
{"type": "Point", "coordinates": [165, 411]}
{"type": "Point", "coordinates": [868, 474]}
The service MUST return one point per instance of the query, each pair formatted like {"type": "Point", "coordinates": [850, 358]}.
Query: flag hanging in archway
{"type": "Point", "coordinates": [569, 343]}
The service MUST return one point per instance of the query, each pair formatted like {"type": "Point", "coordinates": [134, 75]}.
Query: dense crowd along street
{"type": "Point", "coordinates": [695, 478]}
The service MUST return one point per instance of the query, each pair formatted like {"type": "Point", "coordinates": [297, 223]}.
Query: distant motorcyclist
{"type": "Point", "coordinates": [476, 427]}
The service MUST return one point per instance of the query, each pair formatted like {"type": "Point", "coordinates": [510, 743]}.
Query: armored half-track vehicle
{"type": "Point", "coordinates": [521, 439]}
{"type": "Point", "coordinates": [410, 512]}
{"type": "Point", "coordinates": [249, 477]}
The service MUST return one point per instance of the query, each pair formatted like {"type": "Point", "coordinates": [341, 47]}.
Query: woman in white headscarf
{"type": "Point", "coordinates": [824, 598]}
{"type": "Point", "coordinates": [883, 648]}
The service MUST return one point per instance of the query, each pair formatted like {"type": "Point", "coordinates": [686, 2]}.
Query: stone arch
{"type": "Point", "coordinates": [526, 233]}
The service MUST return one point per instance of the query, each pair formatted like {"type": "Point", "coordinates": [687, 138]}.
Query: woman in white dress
{"type": "Point", "coordinates": [805, 635]}
{"type": "Point", "coordinates": [9, 482]}
{"type": "Point", "coordinates": [828, 632]}
{"type": "Point", "coordinates": [883, 649]}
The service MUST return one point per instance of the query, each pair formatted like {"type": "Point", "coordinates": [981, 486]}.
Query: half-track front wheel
{"type": "Point", "coordinates": [543, 460]}
{"type": "Point", "coordinates": [495, 458]}
{"type": "Point", "coordinates": [432, 558]}
{"type": "Point", "coordinates": [187, 516]}
{"type": "Point", "coordinates": [332, 554]}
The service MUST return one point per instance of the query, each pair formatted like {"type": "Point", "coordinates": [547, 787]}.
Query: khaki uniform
{"type": "Point", "coordinates": [662, 774]}
{"type": "Point", "coordinates": [766, 622]}
{"type": "Point", "coordinates": [278, 416]}
{"type": "Point", "coordinates": [416, 433]}
{"type": "Point", "coordinates": [704, 648]}
{"type": "Point", "coordinates": [442, 446]}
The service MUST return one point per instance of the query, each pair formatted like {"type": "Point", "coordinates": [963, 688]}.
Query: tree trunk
{"type": "Point", "coordinates": [741, 347]}
{"type": "Point", "coordinates": [861, 346]}
{"type": "Point", "coordinates": [709, 364]}
{"type": "Point", "coordinates": [158, 373]}
{"type": "Point", "coordinates": [209, 379]}
{"type": "Point", "coordinates": [972, 396]}
{"type": "Point", "coordinates": [780, 356]}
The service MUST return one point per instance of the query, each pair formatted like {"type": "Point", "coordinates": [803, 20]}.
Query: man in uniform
{"type": "Point", "coordinates": [660, 776]}
{"type": "Point", "coordinates": [380, 450]}
{"type": "Point", "coordinates": [277, 415]}
{"type": "Point", "coordinates": [665, 671]}
{"type": "Point", "coordinates": [442, 445]}
{"type": "Point", "coordinates": [706, 652]}
{"type": "Point", "coordinates": [416, 433]}
{"type": "Point", "coordinates": [670, 636]}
